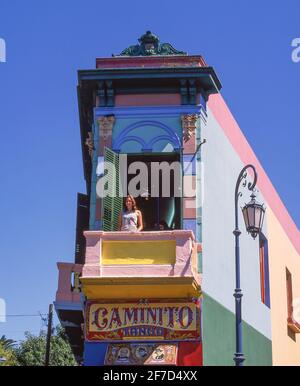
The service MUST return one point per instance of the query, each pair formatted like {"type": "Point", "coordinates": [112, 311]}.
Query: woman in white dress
{"type": "Point", "coordinates": [130, 219]}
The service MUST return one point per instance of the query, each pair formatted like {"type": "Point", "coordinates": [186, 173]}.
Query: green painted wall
{"type": "Point", "coordinates": [218, 331]}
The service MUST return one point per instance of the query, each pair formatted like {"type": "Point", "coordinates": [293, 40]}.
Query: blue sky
{"type": "Point", "coordinates": [247, 42]}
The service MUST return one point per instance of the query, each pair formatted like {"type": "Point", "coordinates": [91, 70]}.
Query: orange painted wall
{"type": "Point", "coordinates": [282, 255]}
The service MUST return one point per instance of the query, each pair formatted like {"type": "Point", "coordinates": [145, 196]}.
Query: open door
{"type": "Point", "coordinates": [113, 201]}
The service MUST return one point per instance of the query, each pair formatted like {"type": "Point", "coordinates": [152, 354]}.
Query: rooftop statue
{"type": "Point", "coordinates": [149, 45]}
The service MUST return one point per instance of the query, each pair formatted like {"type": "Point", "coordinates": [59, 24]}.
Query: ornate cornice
{"type": "Point", "coordinates": [89, 142]}
{"type": "Point", "coordinates": [188, 122]}
{"type": "Point", "coordinates": [150, 45]}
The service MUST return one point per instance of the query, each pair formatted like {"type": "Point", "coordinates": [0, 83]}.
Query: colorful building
{"type": "Point", "coordinates": [166, 296]}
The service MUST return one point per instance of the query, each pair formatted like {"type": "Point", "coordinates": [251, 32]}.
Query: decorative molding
{"type": "Point", "coordinates": [167, 134]}
{"type": "Point", "coordinates": [188, 123]}
{"type": "Point", "coordinates": [110, 94]}
{"type": "Point", "coordinates": [106, 124]}
{"type": "Point", "coordinates": [131, 111]}
{"type": "Point", "coordinates": [105, 94]}
{"type": "Point", "coordinates": [89, 142]}
{"type": "Point", "coordinates": [192, 91]}
{"type": "Point", "coordinates": [188, 91]}
{"type": "Point", "coordinates": [184, 92]}
{"type": "Point", "coordinates": [101, 94]}
{"type": "Point", "coordinates": [149, 45]}
{"type": "Point", "coordinates": [77, 285]}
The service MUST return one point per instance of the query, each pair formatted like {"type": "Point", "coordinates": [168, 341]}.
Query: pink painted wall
{"type": "Point", "coordinates": [186, 257]}
{"type": "Point", "coordinates": [64, 291]}
{"type": "Point", "coordinates": [232, 130]}
{"type": "Point", "coordinates": [148, 61]}
{"type": "Point", "coordinates": [147, 100]}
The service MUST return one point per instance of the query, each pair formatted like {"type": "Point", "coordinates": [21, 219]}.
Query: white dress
{"type": "Point", "coordinates": [129, 221]}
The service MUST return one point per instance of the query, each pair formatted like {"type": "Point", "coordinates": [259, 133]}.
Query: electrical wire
{"type": "Point", "coordinates": [22, 315]}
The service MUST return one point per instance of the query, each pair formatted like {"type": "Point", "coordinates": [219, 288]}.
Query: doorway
{"type": "Point", "coordinates": [158, 210]}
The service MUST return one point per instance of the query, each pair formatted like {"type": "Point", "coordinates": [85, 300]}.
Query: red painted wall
{"type": "Point", "coordinates": [190, 354]}
{"type": "Point", "coordinates": [151, 61]}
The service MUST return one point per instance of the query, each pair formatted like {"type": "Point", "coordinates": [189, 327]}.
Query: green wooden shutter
{"type": "Point", "coordinates": [82, 224]}
{"type": "Point", "coordinates": [112, 203]}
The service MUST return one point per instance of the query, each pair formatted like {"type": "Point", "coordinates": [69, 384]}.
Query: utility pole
{"type": "Point", "coordinates": [49, 333]}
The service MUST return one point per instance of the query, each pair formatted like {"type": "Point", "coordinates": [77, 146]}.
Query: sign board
{"type": "Point", "coordinates": [147, 320]}
{"type": "Point", "coordinates": [141, 354]}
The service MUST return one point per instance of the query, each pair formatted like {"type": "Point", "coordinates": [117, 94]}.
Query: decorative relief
{"type": "Point", "coordinates": [77, 286]}
{"type": "Point", "coordinates": [188, 123]}
{"type": "Point", "coordinates": [89, 142]}
{"type": "Point", "coordinates": [131, 134]}
{"type": "Point", "coordinates": [149, 44]}
{"type": "Point", "coordinates": [106, 124]}
{"type": "Point", "coordinates": [141, 354]}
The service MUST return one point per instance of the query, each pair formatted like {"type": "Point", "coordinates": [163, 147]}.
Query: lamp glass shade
{"type": "Point", "coordinates": [246, 219]}
{"type": "Point", "coordinates": [258, 217]}
{"type": "Point", "coordinates": [253, 216]}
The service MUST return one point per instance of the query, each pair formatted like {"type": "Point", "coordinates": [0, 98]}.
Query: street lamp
{"type": "Point", "coordinates": [253, 216]}
{"type": "Point", "coordinates": [253, 213]}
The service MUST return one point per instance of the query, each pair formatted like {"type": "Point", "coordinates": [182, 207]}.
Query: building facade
{"type": "Point", "coordinates": [153, 119]}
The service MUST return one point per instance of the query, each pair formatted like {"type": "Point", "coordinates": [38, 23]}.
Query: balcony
{"type": "Point", "coordinates": [69, 307]}
{"type": "Point", "coordinates": [161, 264]}
{"type": "Point", "coordinates": [68, 289]}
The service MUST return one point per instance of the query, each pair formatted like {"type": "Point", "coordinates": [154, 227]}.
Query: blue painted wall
{"type": "Point", "coordinates": [139, 129]}
{"type": "Point", "coordinates": [94, 354]}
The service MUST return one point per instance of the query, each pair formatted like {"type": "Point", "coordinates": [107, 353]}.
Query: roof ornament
{"type": "Point", "coordinates": [150, 45]}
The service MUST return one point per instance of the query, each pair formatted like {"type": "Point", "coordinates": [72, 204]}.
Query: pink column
{"type": "Point", "coordinates": [64, 292]}
{"type": "Point", "coordinates": [92, 254]}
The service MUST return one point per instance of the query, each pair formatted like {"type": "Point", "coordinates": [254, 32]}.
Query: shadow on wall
{"type": "Point", "coordinates": [218, 336]}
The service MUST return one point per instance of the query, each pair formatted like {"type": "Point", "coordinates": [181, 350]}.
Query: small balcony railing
{"type": "Point", "coordinates": [69, 288]}
{"type": "Point", "coordinates": [141, 254]}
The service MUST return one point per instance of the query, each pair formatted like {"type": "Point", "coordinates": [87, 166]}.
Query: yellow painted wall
{"type": "Point", "coordinates": [282, 255]}
{"type": "Point", "coordinates": [150, 288]}
{"type": "Point", "coordinates": [138, 252]}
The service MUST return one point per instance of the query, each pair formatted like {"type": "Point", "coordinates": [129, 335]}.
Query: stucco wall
{"type": "Point", "coordinates": [219, 344]}
{"type": "Point", "coordinates": [283, 238]}
{"type": "Point", "coordinates": [221, 166]}
{"type": "Point", "coordinates": [286, 351]}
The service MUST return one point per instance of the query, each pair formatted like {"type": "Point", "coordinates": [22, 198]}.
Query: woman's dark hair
{"type": "Point", "coordinates": [134, 207]}
{"type": "Point", "coordinates": [164, 224]}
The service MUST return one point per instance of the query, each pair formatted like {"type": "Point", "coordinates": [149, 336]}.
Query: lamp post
{"type": "Point", "coordinates": [253, 216]}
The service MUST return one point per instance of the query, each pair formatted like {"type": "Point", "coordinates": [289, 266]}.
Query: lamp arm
{"type": "Point", "coordinates": [251, 185]}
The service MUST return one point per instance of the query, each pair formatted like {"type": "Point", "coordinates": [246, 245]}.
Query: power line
{"type": "Point", "coordinates": [22, 315]}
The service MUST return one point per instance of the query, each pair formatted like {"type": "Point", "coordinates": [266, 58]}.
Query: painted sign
{"type": "Point", "coordinates": [136, 320]}
{"type": "Point", "coordinates": [141, 354]}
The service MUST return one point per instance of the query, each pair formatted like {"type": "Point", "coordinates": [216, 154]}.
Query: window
{"type": "Point", "coordinates": [158, 209]}
{"type": "Point", "coordinates": [289, 293]}
{"type": "Point", "coordinates": [292, 323]}
{"type": "Point", "coordinates": [264, 270]}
